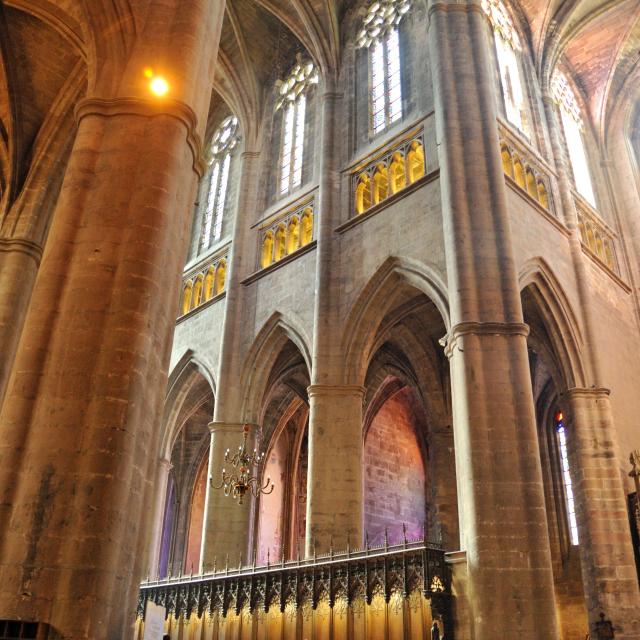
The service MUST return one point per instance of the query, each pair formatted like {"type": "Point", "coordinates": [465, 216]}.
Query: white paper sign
{"type": "Point", "coordinates": [154, 622]}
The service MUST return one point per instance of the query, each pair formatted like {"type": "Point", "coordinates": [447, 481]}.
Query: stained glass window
{"type": "Point", "coordinates": [292, 99]}
{"type": "Point", "coordinates": [561, 434]}
{"type": "Point", "coordinates": [379, 34]}
{"type": "Point", "coordinates": [507, 43]}
{"type": "Point", "coordinates": [572, 124]}
{"type": "Point", "coordinates": [224, 141]}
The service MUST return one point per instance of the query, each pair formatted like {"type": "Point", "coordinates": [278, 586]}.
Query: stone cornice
{"type": "Point", "coordinates": [22, 245]}
{"type": "Point", "coordinates": [481, 329]}
{"type": "Point", "coordinates": [108, 108]}
{"type": "Point", "coordinates": [232, 427]}
{"type": "Point", "coordinates": [342, 390]}
{"type": "Point", "coordinates": [593, 392]}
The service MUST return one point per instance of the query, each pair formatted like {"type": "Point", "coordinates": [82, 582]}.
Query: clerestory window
{"type": "Point", "coordinates": [379, 34]}
{"type": "Point", "coordinates": [292, 100]}
{"type": "Point", "coordinates": [573, 126]}
{"type": "Point", "coordinates": [508, 50]}
{"type": "Point", "coordinates": [224, 141]}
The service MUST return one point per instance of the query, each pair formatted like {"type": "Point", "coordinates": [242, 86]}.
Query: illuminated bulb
{"type": "Point", "coordinates": [148, 72]}
{"type": "Point", "coordinates": [159, 86]}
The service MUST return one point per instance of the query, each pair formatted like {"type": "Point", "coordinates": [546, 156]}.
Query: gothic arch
{"type": "Point", "coordinates": [262, 355]}
{"type": "Point", "coordinates": [189, 372]}
{"type": "Point", "coordinates": [393, 281]}
{"type": "Point", "coordinates": [538, 280]}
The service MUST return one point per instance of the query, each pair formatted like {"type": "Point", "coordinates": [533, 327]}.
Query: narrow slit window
{"type": "Point", "coordinates": [380, 35]}
{"type": "Point", "coordinates": [223, 143]}
{"type": "Point", "coordinates": [561, 434]}
{"type": "Point", "coordinates": [572, 125]}
{"type": "Point", "coordinates": [293, 101]}
{"type": "Point", "coordinates": [508, 48]}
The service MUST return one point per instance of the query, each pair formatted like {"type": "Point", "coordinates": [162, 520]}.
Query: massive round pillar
{"type": "Point", "coordinates": [500, 493]}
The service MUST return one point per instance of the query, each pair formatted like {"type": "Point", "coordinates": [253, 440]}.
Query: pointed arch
{"type": "Point", "coordinates": [563, 330]}
{"type": "Point", "coordinates": [383, 291]}
{"type": "Point", "coordinates": [187, 375]}
{"type": "Point", "coordinates": [275, 332]}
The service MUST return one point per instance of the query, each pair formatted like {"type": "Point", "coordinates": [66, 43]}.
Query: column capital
{"type": "Point", "coordinates": [22, 245]}
{"type": "Point", "coordinates": [147, 108]}
{"type": "Point", "coordinates": [233, 427]}
{"type": "Point", "coordinates": [461, 329]}
{"type": "Point", "coordinates": [455, 7]}
{"type": "Point", "coordinates": [593, 392]}
{"type": "Point", "coordinates": [335, 390]}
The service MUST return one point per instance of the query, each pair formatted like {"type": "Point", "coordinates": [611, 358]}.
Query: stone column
{"type": "Point", "coordinates": [227, 525]}
{"type": "Point", "coordinates": [335, 480]}
{"type": "Point", "coordinates": [19, 261]}
{"type": "Point", "coordinates": [157, 522]}
{"type": "Point", "coordinates": [503, 524]}
{"type": "Point", "coordinates": [606, 554]}
{"type": "Point", "coordinates": [79, 424]}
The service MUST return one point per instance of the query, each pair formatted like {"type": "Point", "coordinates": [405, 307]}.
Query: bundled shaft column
{"type": "Point", "coordinates": [500, 493]}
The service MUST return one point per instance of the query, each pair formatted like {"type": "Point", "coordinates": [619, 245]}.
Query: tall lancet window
{"type": "Point", "coordinates": [561, 434]}
{"type": "Point", "coordinates": [508, 48]}
{"type": "Point", "coordinates": [572, 124]}
{"type": "Point", "coordinates": [379, 34]}
{"type": "Point", "coordinates": [224, 141]}
{"type": "Point", "coordinates": [292, 101]}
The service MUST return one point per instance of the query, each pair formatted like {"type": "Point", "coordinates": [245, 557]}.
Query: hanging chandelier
{"type": "Point", "coordinates": [240, 481]}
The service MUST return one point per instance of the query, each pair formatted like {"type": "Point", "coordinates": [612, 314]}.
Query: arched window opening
{"type": "Point", "coordinates": [293, 235]}
{"type": "Point", "coordinates": [293, 101]}
{"type": "Point", "coordinates": [363, 193]}
{"type": "Point", "coordinates": [395, 478]}
{"type": "Point", "coordinates": [266, 257]}
{"type": "Point", "coordinates": [280, 243]}
{"type": "Point", "coordinates": [566, 476]}
{"type": "Point", "coordinates": [196, 519]}
{"type": "Point", "coordinates": [507, 161]}
{"type": "Point", "coordinates": [186, 297]}
{"type": "Point", "coordinates": [221, 274]}
{"type": "Point", "coordinates": [380, 184]}
{"type": "Point", "coordinates": [397, 173]}
{"type": "Point", "coordinates": [518, 173]}
{"type": "Point", "coordinates": [532, 187]}
{"type": "Point", "coordinates": [508, 48]}
{"type": "Point", "coordinates": [196, 298]}
{"type": "Point", "coordinates": [543, 197]}
{"type": "Point", "coordinates": [415, 160]}
{"type": "Point", "coordinates": [208, 284]}
{"type": "Point", "coordinates": [306, 235]}
{"type": "Point", "coordinates": [224, 141]}
{"type": "Point", "coordinates": [573, 126]}
{"type": "Point", "coordinates": [379, 34]}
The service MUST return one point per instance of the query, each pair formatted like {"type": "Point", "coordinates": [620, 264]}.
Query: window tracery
{"type": "Point", "coordinates": [573, 126]}
{"type": "Point", "coordinates": [379, 34]}
{"type": "Point", "coordinates": [224, 141]}
{"type": "Point", "coordinates": [508, 48]}
{"type": "Point", "coordinates": [292, 98]}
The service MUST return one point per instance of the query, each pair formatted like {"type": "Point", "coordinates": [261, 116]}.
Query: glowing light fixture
{"type": "Point", "coordinates": [159, 86]}
{"type": "Point", "coordinates": [240, 481]}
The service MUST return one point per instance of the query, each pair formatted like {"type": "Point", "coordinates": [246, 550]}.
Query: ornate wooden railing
{"type": "Point", "coordinates": [348, 577]}
{"type": "Point", "coordinates": [597, 238]}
